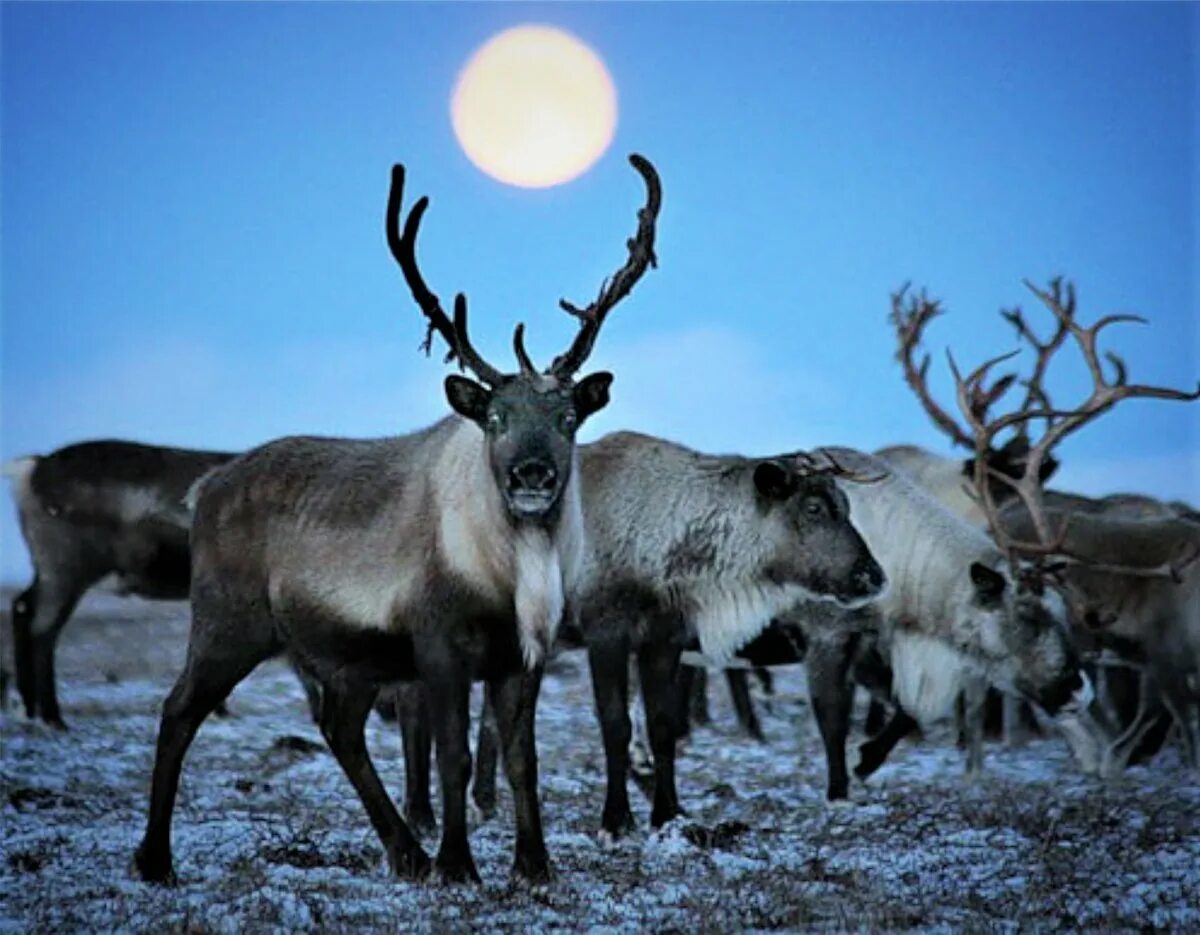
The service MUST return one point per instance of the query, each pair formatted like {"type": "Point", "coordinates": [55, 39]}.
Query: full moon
{"type": "Point", "coordinates": [534, 107]}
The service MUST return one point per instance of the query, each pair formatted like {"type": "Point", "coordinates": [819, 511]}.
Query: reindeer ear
{"type": "Point", "coordinates": [989, 584]}
{"type": "Point", "coordinates": [468, 398]}
{"type": "Point", "coordinates": [591, 394]}
{"type": "Point", "coordinates": [773, 480]}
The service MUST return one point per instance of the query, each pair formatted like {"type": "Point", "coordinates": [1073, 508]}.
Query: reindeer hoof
{"type": "Point", "coordinates": [534, 868]}
{"type": "Point", "coordinates": [459, 869]}
{"type": "Point", "coordinates": [617, 825]}
{"type": "Point", "coordinates": [153, 868]}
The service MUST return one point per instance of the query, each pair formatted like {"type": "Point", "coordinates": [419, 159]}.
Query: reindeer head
{"type": "Point", "coordinates": [1024, 634]}
{"type": "Point", "coordinates": [818, 546]}
{"type": "Point", "coordinates": [528, 418]}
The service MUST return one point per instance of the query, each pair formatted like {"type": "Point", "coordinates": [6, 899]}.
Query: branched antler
{"type": "Point", "coordinates": [612, 290]}
{"type": "Point", "coordinates": [975, 398]}
{"type": "Point", "coordinates": [404, 250]}
{"type": "Point", "coordinates": [1035, 391]}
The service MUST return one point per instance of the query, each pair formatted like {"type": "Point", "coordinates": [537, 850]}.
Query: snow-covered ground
{"type": "Point", "coordinates": [269, 834]}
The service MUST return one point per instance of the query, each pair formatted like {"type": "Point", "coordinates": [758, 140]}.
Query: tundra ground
{"type": "Point", "coordinates": [269, 834]}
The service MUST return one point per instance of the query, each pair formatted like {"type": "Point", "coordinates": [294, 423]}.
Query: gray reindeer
{"type": "Point", "coordinates": [87, 512]}
{"type": "Point", "coordinates": [442, 556]}
{"type": "Point", "coordinates": [681, 545]}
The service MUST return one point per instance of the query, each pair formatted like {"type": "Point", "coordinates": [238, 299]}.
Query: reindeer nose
{"type": "Point", "coordinates": [533, 475]}
{"type": "Point", "coordinates": [869, 578]}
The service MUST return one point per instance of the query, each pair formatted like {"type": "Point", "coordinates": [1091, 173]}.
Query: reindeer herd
{"type": "Point", "coordinates": [400, 570]}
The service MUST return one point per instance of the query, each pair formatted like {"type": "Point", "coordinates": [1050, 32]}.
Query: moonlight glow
{"type": "Point", "coordinates": [534, 107]}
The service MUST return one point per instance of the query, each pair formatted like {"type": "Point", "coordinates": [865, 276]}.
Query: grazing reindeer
{"type": "Point", "coordinates": [442, 556]}
{"type": "Point", "coordinates": [88, 511]}
{"type": "Point", "coordinates": [683, 545]}
{"type": "Point", "coordinates": [954, 619]}
{"type": "Point", "coordinates": [976, 398]}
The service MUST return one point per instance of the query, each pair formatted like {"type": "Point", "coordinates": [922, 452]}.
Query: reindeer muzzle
{"type": "Point", "coordinates": [532, 487]}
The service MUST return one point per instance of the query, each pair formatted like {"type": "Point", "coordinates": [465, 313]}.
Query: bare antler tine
{"type": "Point", "coordinates": [523, 360]}
{"type": "Point", "coordinates": [909, 322]}
{"type": "Point", "coordinates": [404, 250]}
{"type": "Point", "coordinates": [612, 290]}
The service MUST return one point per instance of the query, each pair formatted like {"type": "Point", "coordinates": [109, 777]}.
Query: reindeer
{"type": "Point", "coordinates": [992, 487]}
{"type": "Point", "coordinates": [684, 545]}
{"type": "Point", "coordinates": [1138, 594]}
{"type": "Point", "coordinates": [444, 556]}
{"type": "Point", "coordinates": [954, 619]}
{"type": "Point", "coordinates": [88, 511]}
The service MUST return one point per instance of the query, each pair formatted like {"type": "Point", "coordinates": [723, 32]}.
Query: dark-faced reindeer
{"type": "Point", "coordinates": [683, 545]}
{"type": "Point", "coordinates": [442, 556]}
{"type": "Point", "coordinates": [977, 398]}
{"type": "Point", "coordinates": [87, 512]}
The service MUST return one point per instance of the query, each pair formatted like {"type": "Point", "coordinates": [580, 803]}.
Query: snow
{"type": "Point", "coordinates": [269, 835]}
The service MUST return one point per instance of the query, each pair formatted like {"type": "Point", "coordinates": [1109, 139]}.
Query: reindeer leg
{"type": "Point", "coordinates": [24, 606]}
{"type": "Point", "coordinates": [483, 786]}
{"type": "Point", "coordinates": [448, 695]}
{"type": "Point", "coordinates": [697, 697]}
{"type": "Point", "coordinates": [1175, 698]}
{"type": "Point", "coordinates": [874, 753]}
{"type": "Point", "coordinates": [975, 702]}
{"type": "Point", "coordinates": [876, 718]}
{"type": "Point", "coordinates": [56, 599]}
{"type": "Point", "coordinates": [1153, 739]}
{"type": "Point", "coordinates": [831, 695]}
{"type": "Point", "coordinates": [214, 667]}
{"type": "Point", "coordinates": [658, 665]}
{"type": "Point", "coordinates": [743, 704]}
{"type": "Point", "coordinates": [415, 736]}
{"type": "Point", "coordinates": [514, 699]}
{"type": "Point", "coordinates": [608, 658]}
{"type": "Point", "coordinates": [345, 705]}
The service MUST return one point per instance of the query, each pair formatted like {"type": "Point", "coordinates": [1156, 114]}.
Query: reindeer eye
{"type": "Point", "coordinates": [815, 507]}
{"type": "Point", "coordinates": [495, 421]}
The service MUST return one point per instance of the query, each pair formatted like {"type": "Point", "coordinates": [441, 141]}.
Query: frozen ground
{"type": "Point", "coordinates": [268, 834]}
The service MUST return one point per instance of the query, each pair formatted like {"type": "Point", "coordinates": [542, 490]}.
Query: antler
{"type": "Point", "coordinates": [909, 321]}
{"type": "Point", "coordinates": [1035, 393]}
{"type": "Point", "coordinates": [975, 398]}
{"type": "Point", "coordinates": [404, 249]}
{"type": "Point", "coordinates": [641, 256]}
{"type": "Point", "coordinates": [825, 463]}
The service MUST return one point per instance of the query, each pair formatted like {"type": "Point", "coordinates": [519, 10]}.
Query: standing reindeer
{"type": "Point", "coordinates": [88, 511]}
{"type": "Point", "coordinates": [683, 545]}
{"type": "Point", "coordinates": [993, 486]}
{"type": "Point", "coordinates": [442, 556]}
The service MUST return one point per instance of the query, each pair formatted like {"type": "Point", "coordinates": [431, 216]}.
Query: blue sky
{"type": "Point", "coordinates": [192, 201]}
